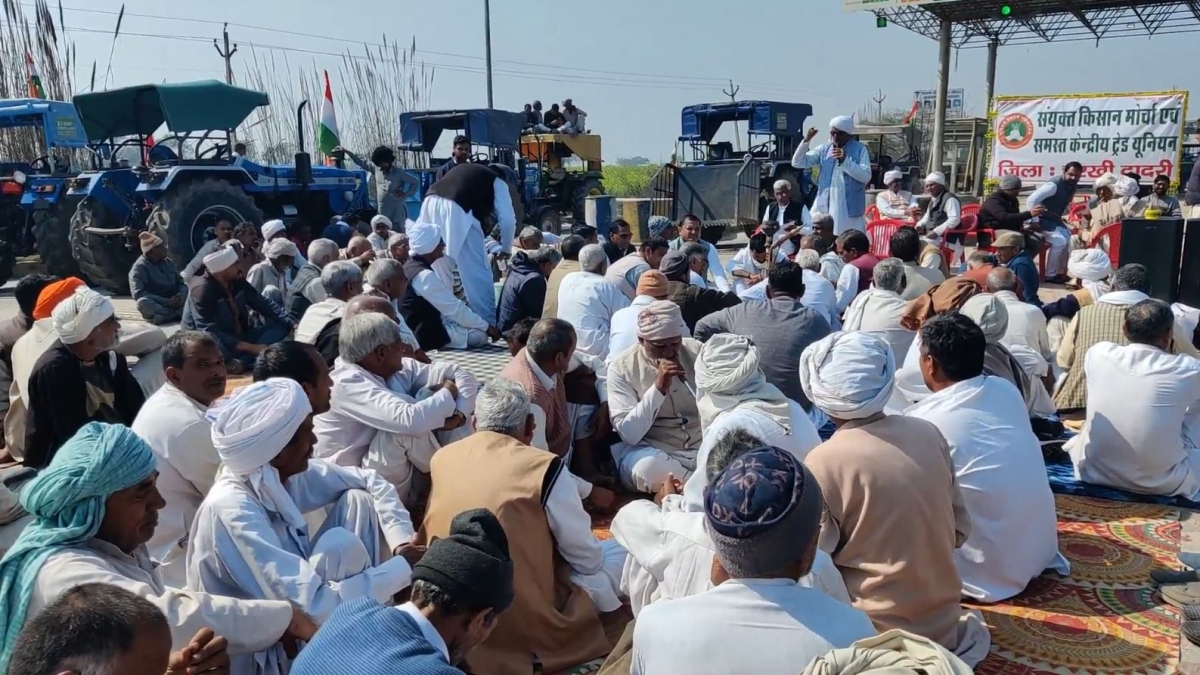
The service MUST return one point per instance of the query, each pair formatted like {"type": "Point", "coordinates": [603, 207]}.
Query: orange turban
{"type": "Point", "coordinates": [53, 294]}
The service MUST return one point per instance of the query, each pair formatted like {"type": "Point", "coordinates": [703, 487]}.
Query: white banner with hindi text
{"type": "Point", "coordinates": [1117, 133]}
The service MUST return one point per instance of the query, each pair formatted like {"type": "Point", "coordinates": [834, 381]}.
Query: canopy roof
{"type": "Point", "coordinates": [978, 22]}
{"type": "Point", "coordinates": [57, 119]}
{"type": "Point", "coordinates": [420, 131]}
{"type": "Point", "coordinates": [700, 122]}
{"type": "Point", "coordinates": [184, 107]}
{"type": "Point", "coordinates": [537, 147]}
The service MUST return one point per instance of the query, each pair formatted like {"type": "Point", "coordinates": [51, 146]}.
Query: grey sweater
{"type": "Point", "coordinates": [780, 328]}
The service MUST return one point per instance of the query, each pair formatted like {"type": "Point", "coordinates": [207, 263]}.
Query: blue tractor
{"type": "Point", "coordinates": [34, 209]}
{"type": "Point", "coordinates": [179, 197]}
{"type": "Point", "coordinates": [724, 187]}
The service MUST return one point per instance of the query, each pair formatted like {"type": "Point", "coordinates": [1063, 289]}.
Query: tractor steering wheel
{"type": "Point", "coordinates": [480, 158]}
{"type": "Point", "coordinates": [43, 162]}
{"type": "Point", "coordinates": [216, 151]}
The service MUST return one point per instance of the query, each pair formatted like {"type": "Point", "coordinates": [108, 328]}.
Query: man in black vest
{"type": "Point", "coordinates": [439, 318]}
{"type": "Point", "coordinates": [784, 219]}
{"type": "Point", "coordinates": [1056, 196]}
{"type": "Point", "coordinates": [465, 205]}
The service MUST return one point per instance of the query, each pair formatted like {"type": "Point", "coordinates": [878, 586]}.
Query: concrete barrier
{"type": "Point", "coordinates": [598, 211]}
{"type": "Point", "coordinates": [636, 212]}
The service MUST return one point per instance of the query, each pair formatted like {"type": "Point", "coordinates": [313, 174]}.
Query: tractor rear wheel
{"type": "Point", "coordinates": [590, 187]}
{"type": "Point", "coordinates": [187, 217]}
{"type": "Point", "coordinates": [52, 237]}
{"type": "Point", "coordinates": [104, 259]}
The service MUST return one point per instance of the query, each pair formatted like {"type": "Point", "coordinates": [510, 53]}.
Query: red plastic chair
{"type": "Point", "coordinates": [1075, 212]}
{"type": "Point", "coordinates": [871, 214]}
{"type": "Point", "coordinates": [1111, 232]}
{"type": "Point", "coordinates": [968, 223]}
{"type": "Point", "coordinates": [880, 233]}
{"type": "Point", "coordinates": [970, 210]}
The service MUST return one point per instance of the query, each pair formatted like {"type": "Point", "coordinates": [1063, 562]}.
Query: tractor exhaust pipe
{"type": "Point", "coordinates": [303, 159]}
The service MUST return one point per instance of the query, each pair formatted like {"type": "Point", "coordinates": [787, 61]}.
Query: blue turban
{"type": "Point", "coordinates": [763, 513]}
{"type": "Point", "coordinates": [67, 498]}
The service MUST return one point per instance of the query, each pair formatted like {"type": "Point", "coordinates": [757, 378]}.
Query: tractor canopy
{"type": "Point", "coordinates": [420, 131]}
{"type": "Point", "coordinates": [541, 147]}
{"type": "Point", "coordinates": [184, 107]}
{"type": "Point", "coordinates": [57, 119]}
{"type": "Point", "coordinates": [700, 122]}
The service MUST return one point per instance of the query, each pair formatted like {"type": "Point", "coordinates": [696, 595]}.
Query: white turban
{"type": "Point", "coordinates": [1106, 181]}
{"type": "Point", "coordinates": [278, 248]}
{"type": "Point", "coordinates": [843, 123]}
{"type": "Point", "coordinates": [251, 428]}
{"type": "Point", "coordinates": [75, 318]}
{"type": "Point", "coordinates": [272, 228]}
{"type": "Point", "coordinates": [936, 177]}
{"type": "Point", "coordinates": [848, 376]}
{"type": "Point", "coordinates": [423, 238]}
{"type": "Point", "coordinates": [892, 176]}
{"type": "Point", "coordinates": [1092, 267]}
{"type": "Point", "coordinates": [221, 259]}
{"type": "Point", "coordinates": [989, 313]}
{"type": "Point", "coordinates": [1126, 187]}
{"type": "Point", "coordinates": [381, 219]}
{"type": "Point", "coordinates": [728, 376]}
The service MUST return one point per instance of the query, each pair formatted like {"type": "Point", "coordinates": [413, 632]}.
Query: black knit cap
{"type": "Point", "coordinates": [472, 563]}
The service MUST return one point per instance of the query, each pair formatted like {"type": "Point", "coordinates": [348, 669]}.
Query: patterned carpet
{"type": "Point", "coordinates": [1104, 618]}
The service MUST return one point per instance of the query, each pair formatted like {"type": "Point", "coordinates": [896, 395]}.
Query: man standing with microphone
{"type": "Point", "coordinates": [845, 169]}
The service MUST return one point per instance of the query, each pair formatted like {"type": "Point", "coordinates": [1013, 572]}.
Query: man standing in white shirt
{"type": "Point", "coordinates": [172, 422]}
{"type": "Point", "coordinates": [1142, 431]}
{"type": "Point", "coordinates": [763, 513]}
{"type": "Point", "coordinates": [996, 456]}
{"type": "Point", "coordinates": [587, 301]}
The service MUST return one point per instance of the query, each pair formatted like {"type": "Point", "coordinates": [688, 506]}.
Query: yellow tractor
{"type": "Point", "coordinates": [551, 188]}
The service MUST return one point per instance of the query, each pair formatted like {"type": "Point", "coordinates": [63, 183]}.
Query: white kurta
{"type": "Point", "coordinates": [1026, 325]}
{"type": "Point", "coordinates": [819, 296]}
{"type": "Point", "coordinates": [242, 548]}
{"type": "Point", "coordinates": [588, 301]}
{"type": "Point", "coordinates": [362, 405]}
{"type": "Point", "coordinates": [776, 625]}
{"type": "Point", "coordinates": [998, 466]}
{"type": "Point", "coordinates": [671, 553]}
{"type": "Point", "coordinates": [884, 205]}
{"type": "Point", "coordinates": [595, 566]}
{"type": "Point", "coordinates": [464, 327]}
{"type": "Point", "coordinates": [317, 317]}
{"type": "Point", "coordinates": [847, 287]}
{"type": "Point", "coordinates": [878, 311]}
{"type": "Point", "coordinates": [1142, 431]}
{"type": "Point", "coordinates": [249, 625]}
{"type": "Point", "coordinates": [831, 266]}
{"type": "Point", "coordinates": [464, 237]}
{"type": "Point", "coordinates": [744, 261]}
{"type": "Point", "coordinates": [624, 327]}
{"type": "Point", "coordinates": [799, 441]}
{"type": "Point", "coordinates": [263, 275]}
{"type": "Point", "coordinates": [174, 427]}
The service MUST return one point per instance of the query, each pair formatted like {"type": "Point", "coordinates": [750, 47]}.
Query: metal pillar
{"type": "Point", "coordinates": [487, 38]}
{"type": "Point", "coordinates": [939, 115]}
{"type": "Point", "coordinates": [990, 89]}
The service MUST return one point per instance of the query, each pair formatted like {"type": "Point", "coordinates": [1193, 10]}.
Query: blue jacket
{"type": "Point", "coordinates": [1026, 270]}
{"type": "Point", "coordinates": [363, 637]}
{"type": "Point", "coordinates": [523, 294]}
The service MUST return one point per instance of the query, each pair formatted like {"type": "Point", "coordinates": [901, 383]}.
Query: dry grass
{"type": "Point", "coordinates": [54, 59]}
{"type": "Point", "coordinates": [369, 92]}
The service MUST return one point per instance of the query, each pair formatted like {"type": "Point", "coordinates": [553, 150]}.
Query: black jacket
{"type": "Point", "coordinates": [1002, 212]}
{"type": "Point", "coordinates": [524, 292]}
{"type": "Point", "coordinates": [696, 303]}
{"type": "Point", "coordinates": [420, 315]}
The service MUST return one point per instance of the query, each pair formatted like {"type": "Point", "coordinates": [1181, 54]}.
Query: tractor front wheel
{"type": "Point", "coordinates": [187, 217]}
{"type": "Point", "coordinates": [52, 237]}
{"type": "Point", "coordinates": [105, 260]}
{"type": "Point", "coordinates": [549, 220]}
{"type": "Point", "coordinates": [590, 187]}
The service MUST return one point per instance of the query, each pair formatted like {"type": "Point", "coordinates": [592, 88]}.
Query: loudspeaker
{"type": "Point", "coordinates": [1157, 244]}
{"type": "Point", "coordinates": [1189, 273]}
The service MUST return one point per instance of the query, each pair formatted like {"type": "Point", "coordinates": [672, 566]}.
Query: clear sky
{"type": "Point", "coordinates": [631, 64]}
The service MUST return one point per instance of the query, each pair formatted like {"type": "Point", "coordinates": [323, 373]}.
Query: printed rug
{"type": "Point", "coordinates": [1105, 618]}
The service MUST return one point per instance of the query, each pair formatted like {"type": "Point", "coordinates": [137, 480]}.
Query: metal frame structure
{"type": "Point", "coordinates": [968, 24]}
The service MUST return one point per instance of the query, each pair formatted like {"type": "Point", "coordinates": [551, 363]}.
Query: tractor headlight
{"type": "Point", "coordinates": [349, 196]}
{"type": "Point", "coordinates": [19, 177]}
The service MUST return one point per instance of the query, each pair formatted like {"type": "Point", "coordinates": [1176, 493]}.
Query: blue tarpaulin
{"type": "Point", "coordinates": [700, 122]}
{"type": "Point", "coordinates": [420, 131]}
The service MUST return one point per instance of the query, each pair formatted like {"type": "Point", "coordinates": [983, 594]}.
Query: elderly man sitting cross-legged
{"type": "Point", "coordinates": [563, 574]}
{"type": "Point", "coordinates": [155, 284]}
{"type": "Point", "coordinates": [652, 404]}
{"type": "Point", "coordinates": [250, 539]}
{"type": "Point", "coordinates": [385, 409]}
{"type": "Point", "coordinates": [763, 512]}
{"type": "Point", "coordinates": [898, 563]}
{"type": "Point", "coordinates": [95, 507]}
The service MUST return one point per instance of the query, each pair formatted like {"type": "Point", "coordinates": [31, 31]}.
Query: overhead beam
{"type": "Point", "coordinates": [1081, 17]}
{"type": "Point", "coordinates": [1194, 5]}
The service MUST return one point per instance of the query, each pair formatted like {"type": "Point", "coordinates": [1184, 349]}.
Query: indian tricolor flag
{"type": "Point", "coordinates": [35, 80]}
{"type": "Point", "coordinates": [328, 137]}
